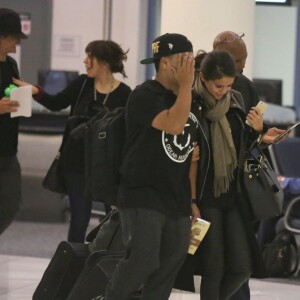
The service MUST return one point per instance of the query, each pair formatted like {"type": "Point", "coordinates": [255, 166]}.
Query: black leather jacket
{"type": "Point", "coordinates": [250, 137]}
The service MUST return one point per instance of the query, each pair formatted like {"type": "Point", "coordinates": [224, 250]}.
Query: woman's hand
{"type": "Point", "coordinates": [195, 212]}
{"type": "Point", "coordinates": [273, 133]}
{"type": "Point", "coordinates": [19, 82]}
{"type": "Point", "coordinates": [255, 119]}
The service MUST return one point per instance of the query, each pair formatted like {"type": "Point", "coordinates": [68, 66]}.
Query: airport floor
{"type": "Point", "coordinates": [25, 254]}
{"type": "Point", "coordinates": [20, 275]}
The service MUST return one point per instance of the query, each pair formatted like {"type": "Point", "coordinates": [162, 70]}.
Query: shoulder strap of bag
{"type": "Point", "coordinates": [242, 154]}
{"type": "Point", "coordinates": [79, 95]}
{"type": "Point", "coordinates": [77, 100]}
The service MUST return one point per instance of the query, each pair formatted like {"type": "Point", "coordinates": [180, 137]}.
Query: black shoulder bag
{"type": "Point", "coordinates": [261, 187]}
{"type": "Point", "coordinates": [54, 179]}
{"type": "Point", "coordinates": [258, 182]}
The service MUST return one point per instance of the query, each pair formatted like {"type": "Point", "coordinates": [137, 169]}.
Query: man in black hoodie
{"type": "Point", "coordinates": [155, 195]}
{"type": "Point", "coordinates": [10, 172]}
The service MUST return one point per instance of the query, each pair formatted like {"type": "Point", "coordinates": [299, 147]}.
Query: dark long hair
{"type": "Point", "coordinates": [109, 52]}
{"type": "Point", "coordinates": [215, 64]}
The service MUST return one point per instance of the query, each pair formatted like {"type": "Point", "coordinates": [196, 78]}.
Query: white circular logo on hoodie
{"type": "Point", "coordinates": [178, 147]}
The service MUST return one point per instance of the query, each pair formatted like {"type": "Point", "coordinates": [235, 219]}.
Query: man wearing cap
{"type": "Point", "coordinates": [155, 192]}
{"type": "Point", "coordinates": [10, 173]}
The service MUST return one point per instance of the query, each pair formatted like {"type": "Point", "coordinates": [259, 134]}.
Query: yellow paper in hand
{"type": "Point", "coordinates": [198, 231]}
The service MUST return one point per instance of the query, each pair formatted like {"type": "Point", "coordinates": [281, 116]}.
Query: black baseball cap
{"type": "Point", "coordinates": [10, 23]}
{"type": "Point", "coordinates": [168, 44]}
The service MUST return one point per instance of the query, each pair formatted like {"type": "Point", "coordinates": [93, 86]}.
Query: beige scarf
{"type": "Point", "coordinates": [224, 153]}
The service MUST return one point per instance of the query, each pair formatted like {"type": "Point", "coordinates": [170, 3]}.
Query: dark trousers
{"type": "Point", "coordinates": [225, 257]}
{"type": "Point", "coordinates": [243, 293]}
{"type": "Point", "coordinates": [80, 208]}
{"type": "Point", "coordinates": [156, 246]}
{"type": "Point", "coordinates": [10, 190]}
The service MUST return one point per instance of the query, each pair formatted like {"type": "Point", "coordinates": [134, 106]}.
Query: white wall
{"type": "Point", "coordinates": [275, 46]}
{"type": "Point", "coordinates": [202, 20]}
{"type": "Point", "coordinates": [269, 32]}
{"type": "Point", "coordinates": [129, 29]}
{"type": "Point", "coordinates": [83, 20]}
{"type": "Point", "coordinates": [80, 20]}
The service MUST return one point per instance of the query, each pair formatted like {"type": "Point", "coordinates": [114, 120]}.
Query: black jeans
{"type": "Point", "coordinates": [80, 208]}
{"type": "Point", "coordinates": [10, 190]}
{"type": "Point", "coordinates": [243, 293]}
{"type": "Point", "coordinates": [225, 256]}
{"type": "Point", "coordinates": [156, 246]}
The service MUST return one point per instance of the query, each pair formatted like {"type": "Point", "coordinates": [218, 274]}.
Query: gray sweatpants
{"type": "Point", "coordinates": [156, 247]}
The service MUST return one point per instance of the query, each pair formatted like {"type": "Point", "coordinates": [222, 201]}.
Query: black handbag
{"type": "Point", "coordinates": [261, 187]}
{"type": "Point", "coordinates": [54, 179]}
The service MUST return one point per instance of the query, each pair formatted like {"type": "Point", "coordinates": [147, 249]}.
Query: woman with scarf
{"type": "Point", "coordinates": [227, 255]}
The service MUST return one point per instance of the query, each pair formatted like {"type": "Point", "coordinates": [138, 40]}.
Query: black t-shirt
{"type": "Point", "coordinates": [9, 127]}
{"type": "Point", "coordinates": [155, 169]}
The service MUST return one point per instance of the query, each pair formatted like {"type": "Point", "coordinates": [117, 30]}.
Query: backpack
{"type": "Point", "coordinates": [104, 138]}
{"type": "Point", "coordinates": [280, 256]}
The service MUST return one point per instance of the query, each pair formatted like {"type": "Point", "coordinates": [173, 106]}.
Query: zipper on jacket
{"type": "Point", "coordinates": [205, 177]}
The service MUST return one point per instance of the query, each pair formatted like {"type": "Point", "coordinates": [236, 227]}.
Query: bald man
{"type": "Point", "coordinates": [233, 43]}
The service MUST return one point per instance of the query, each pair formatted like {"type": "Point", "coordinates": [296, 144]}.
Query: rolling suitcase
{"type": "Point", "coordinates": [95, 275]}
{"type": "Point", "coordinates": [62, 271]}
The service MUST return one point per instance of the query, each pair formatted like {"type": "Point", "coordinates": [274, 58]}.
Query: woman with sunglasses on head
{"type": "Point", "coordinates": [85, 96]}
{"type": "Point", "coordinates": [225, 257]}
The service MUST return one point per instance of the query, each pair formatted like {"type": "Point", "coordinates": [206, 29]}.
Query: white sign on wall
{"type": "Point", "coordinates": [67, 46]}
{"type": "Point", "coordinates": [26, 23]}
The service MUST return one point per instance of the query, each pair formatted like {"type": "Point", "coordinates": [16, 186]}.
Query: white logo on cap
{"type": "Point", "coordinates": [170, 46]}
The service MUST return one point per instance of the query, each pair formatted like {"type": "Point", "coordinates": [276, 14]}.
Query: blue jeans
{"type": "Point", "coordinates": [80, 208]}
{"type": "Point", "coordinates": [156, 246]}
{"type": "Point", "coordinates": [10, 190]}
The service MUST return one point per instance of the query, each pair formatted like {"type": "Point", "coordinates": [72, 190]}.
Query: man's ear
{"type": "Point", "coordinates": [164, 62]}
